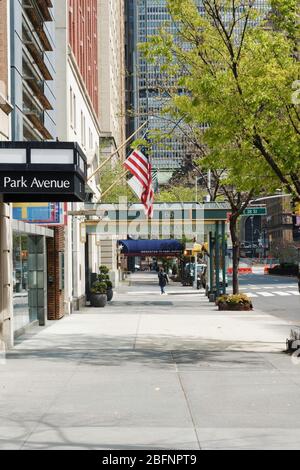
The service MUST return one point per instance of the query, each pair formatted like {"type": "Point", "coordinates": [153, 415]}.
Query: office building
{"type": "Point", "coordinates": [6, 336]}
{"type": "Point", "coordinates": [31, 87]}
{"type": "Point", "coordinates": [33, 70]}
{"type": "Point", "coordinates": [111, 61]}
{"type": "Point", "coordinates": [78, 121]}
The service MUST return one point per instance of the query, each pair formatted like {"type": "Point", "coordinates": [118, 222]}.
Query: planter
{"type": "Point", "coordinates": [98, 300]}
{"type": "Point", "coordinates": [110, 294]}
{"type": "Point", "coordinates": [235, 307]}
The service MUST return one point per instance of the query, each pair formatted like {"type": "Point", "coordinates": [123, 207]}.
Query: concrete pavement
{"type": "Point", "coordinates": [152, 372]}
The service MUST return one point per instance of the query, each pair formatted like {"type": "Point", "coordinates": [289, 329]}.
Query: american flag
{"type": "Point", "coordinates": [141, 183]}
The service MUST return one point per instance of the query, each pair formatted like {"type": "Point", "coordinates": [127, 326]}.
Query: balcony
{"type": "Point", "coordinates": [39, 59]}
{"type": "Point", "coordinates": [38, 91]}
{"type": "Point", "coordinates": [37, 119]}
{"type": "Point", "coordinates": [37, 23]}
{"type": "Point", "coordinates": [44, 6]}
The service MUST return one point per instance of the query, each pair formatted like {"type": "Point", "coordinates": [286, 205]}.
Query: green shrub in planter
{"type": "Point", "coordinates": [99, 294]}
{"type": "Point", "coordinates": [103, 269]}
{"type": "Point", "coordinates": [234, 302]}
{"type": "Point", "coordinates": [109, 291]}
{"type": "Point", "coordinates": [99, 288]}
{"type": "Point", "coordinates": [103, 277]}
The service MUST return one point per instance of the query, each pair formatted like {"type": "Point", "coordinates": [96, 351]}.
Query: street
{"type": "Point", "coordinates": [152, 372]}
{"type": "Point", "coordinates": [277, 295]}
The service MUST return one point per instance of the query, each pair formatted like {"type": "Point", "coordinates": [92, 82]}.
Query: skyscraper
{"type": "Point", "coordinates": [111, 61]}
{"type": "Point", "coordinates": [149, 91]}
{"type": "Point", "coordinates": [144, 19]}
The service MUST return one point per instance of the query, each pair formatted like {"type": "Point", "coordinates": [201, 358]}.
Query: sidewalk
{"type": "Point", "coordinates": [154, 372]}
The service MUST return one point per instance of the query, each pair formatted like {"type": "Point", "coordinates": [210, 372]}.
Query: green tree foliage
{"type": "Point", "coordinates": [172, 193]}
{"type": "Point", "coordinates": [178, 194]}
{"type": "Point", "coordinates": [108, 176]}
{"type": "Point", "coordinates": [284, 17]}
{"type": "Point", "coordinates": [238, 72]}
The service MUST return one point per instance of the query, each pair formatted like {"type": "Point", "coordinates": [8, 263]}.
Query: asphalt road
{"type": "Point", "coordinates": [277, 295]}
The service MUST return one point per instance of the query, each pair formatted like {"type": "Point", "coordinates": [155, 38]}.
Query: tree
{"type": "Point", "coordinates": [108, 177]}
{"type": "Point", "coordinates": [238, 72]}
{"type": "Point", "coordinates": [179, 193]}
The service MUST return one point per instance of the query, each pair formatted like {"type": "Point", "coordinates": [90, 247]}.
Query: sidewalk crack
{"type": "Point", "coordinates": [137, 331]}
{"type": "Point", "coordinates": [188, 405]}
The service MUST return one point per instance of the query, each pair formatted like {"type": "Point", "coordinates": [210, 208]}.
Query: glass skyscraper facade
{"type": "Point", "coordinates": [150, 90]}
{"type": "Point", "coordinates": [150, 85]}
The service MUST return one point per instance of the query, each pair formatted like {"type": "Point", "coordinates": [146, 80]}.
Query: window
{"type": "Point", "coordinates": [90, 139]}
{"type": "Point", "coordinates": [83, 130]}
{"type": "Point", "coordinates": [71, 107]}
{"type": "Point", "coordinates": [74, 112]}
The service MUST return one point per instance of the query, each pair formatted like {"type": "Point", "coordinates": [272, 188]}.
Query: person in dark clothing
{"type": "Point", "coordinates": [299, 281]}
{"type": "Point", "coordinates": [163, 280]}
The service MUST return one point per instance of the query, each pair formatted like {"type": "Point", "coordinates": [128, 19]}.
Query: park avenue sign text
{"type": "Point", "coordinates": [35, 183]}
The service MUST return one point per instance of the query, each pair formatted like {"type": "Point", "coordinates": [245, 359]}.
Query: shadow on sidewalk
{"type": "Point", "coordinates": [86, 350]}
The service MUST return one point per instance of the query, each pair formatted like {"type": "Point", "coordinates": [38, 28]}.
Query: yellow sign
{"type": "Point", "coordinates": [197, 248]}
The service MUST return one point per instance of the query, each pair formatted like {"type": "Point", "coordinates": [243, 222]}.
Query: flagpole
{"type": "Point", "coordinates": [117, 151]}
{"type": "Point", "coordinates": [113, 185]}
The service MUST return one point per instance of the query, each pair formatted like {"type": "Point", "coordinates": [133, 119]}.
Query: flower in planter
{"type": "Point", "coordinates": [234, 301]}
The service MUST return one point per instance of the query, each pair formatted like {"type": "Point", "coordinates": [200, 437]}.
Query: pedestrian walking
{"type": "Point", "coordinates": [163, 280]}
{"type": "Point", "coordinates": [299, 281]}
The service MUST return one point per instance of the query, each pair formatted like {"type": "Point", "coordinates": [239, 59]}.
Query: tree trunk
{"type": "Point", "coordinates": [235, 254]}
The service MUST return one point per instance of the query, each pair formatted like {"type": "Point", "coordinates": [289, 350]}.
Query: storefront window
{"type": "Point", "coordinates": [20, 280]}
{"type": "Point", "coordinates": [28, 279]}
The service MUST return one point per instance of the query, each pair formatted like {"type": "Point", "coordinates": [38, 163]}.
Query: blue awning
{"type": "Point", "coordinates": [151, 247]}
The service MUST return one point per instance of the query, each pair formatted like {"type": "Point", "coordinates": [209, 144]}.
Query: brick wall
{"type": "Point", "coordinates": [83, 41]}
{"type": "Point", "coordinates": [55, 246]}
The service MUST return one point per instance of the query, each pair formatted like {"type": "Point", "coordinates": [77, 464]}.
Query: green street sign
{"type": "Point", "coordinates": [255, 211]}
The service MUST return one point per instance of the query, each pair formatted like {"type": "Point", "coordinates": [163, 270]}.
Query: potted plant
{"type": "Point", "coordinates": [109, 292]}
{"type": "Point", "coordinates": [103, 276]}
{"type": "Point", "coordinates": [238, 302]}
{"type": "Point", "coordinates": [98, 294]}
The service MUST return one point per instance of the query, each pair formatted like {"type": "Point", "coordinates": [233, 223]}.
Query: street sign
{"type": "Point", "coordinates": [255, 211]}
{"type": "Point", "coordinates": [42, 172]}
